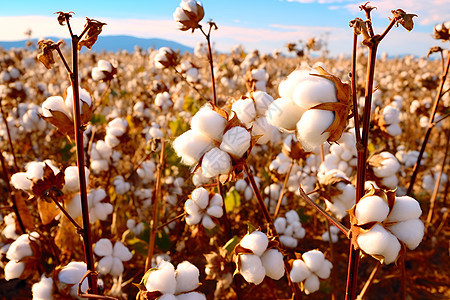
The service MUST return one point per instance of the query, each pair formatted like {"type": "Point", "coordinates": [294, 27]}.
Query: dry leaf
{"type": "Point", "coordinates": [404, 19]}
{"type": "Point", "coordinates": [24, 212]}
{"type": "Point", "coordinates": [47, 211]}
{"type": "Point", "coordinates": [94, 28]}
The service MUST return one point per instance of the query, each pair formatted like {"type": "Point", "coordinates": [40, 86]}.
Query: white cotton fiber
{"type": "Point", "coordinates": [215, 211]}
{"type": "Point", "coordinates": [287, 86]}
{"type": "Point", "coordinates": [122, 252]}
{"type": "Point", "coordinates": [216, 162]}
{"type": "Point", "coordinates": [251, 268]}
{"type": "Point", "coordinates": [284, 114]}
{"type": "Point", "coordinates": [43, 290]}
{"type": "Point", "coordinates": [21, 182]}
{"type": "Point", "coordinates": [272, 260]}
{"type": "Point", "coordinates": [236, 141]}
{"type": "Point", "coordinates": [292, 217]}
{"type": "Point", "coordinates": [216, 200]}
{"type": "Point", "coordinates": [311, 284]}
{"type": "Point", "coordinates": [313, 91]}
{"type": "Point", "coordinates": [371, 209]}
{"type": "Point", "coordinates": [409, 232]}
{"type": "Point", "coordinates": [288, 241]}
{"type": "Point", "coordinates": [191, 145]}
{"type": "Point", "coordinates": [394, 129]}
{"type": "Point", "coordinates": [162, 279]}
{"type": "Point", "coordinates": [72, 273]}
{"type": "Point", "coordinates": [245, 110]}
{"type": "Point", "coordinates": [325, 271]}
{"type": "Point", "coordinates": [168, 297]}
{"type": "Point", "coordinates": [209, 122]}
{"type": "Point", "coordinates": [311, 127]}
{"type": "Point", "coordinates": [207, 222]}
{"type": "Point", "coordinates": [187, 277]}
{"type": "Point", "coordinates": [255, 241]}
{"type": "Point", "coordinates": [191, 296]}
{"type": "Point", "coordinates": [405, 208]}
{"type": "Point", "coordinates": [54, 103]}
{"type": "Point", "coordinates": [191, 207]}
{"type": "Point", "coordinates": [280, 224]}
{"type": "Point", "coordinates": [299, 271]}
{"type": "Point", "coordinates": [263, 128]}
{"type": "Point", "coordinates": [314, 259]}
{"type": "Point", "coordinates": [105, 264]}
{"type": "Point", "coordinates": [13, 269]}
{"type": "Point", "coordinates": [201, 197]}
{"type": "Point", "coordinates": [262, 101]}
{"type": "Point", "coordinates": [103, 247]}
{"type": "Point", "coordinates": [378, 241]}
{"type": "Point", "coordinates": [117, 267]}
{"type": "Point", "coordinates": [193, 219]}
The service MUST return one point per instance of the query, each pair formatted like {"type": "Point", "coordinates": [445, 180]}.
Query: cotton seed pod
{"type": "Point", "coordinates": [191, 146]}
{"type": "Point", "coordinates": [189, 14]}
{"type": "Point", "coordinates": [162, 279]}
{"type": "Point", "coordinates": [371, 209]}
{"type": "Point", "coordinates": [187, 277]}
{"type": "Point", "coordinates": [314, 260]}
{"type": "Point", "coordinates": [272, 261]}
{"type": "Point", "coordinates": [236, 141]}
{"type": "Point", "coordinates": [262, 101]}
{"type": "Point", "coordinates": [299, 271]}
{"type": "Point", "coordinates": [311, 284]}
{"type": "Point", "coordinates": [251, 268]}
{"type": "Point", "coordinates": [215, 162]}
{"type": "Point", "coordinates": [190, 296]}
{"type": "Point", "coordinates": [314, 90]}
{"type": "Point", "coordinates": [311, 129]}
{"type": "Point", "coordinates": [165, 58]}
{"type": "Point", "coordinates": [405, 208]}
{"type": "Point", "coordinates": [256, 241]}
{"type": "Point", "coordinates": [43, 289]}
{"type": "Point", "coordinates": [379, 243]}
{"type": "Point", "coordinates": [201, 197]}
{"type": "Point", "coordinates": [245, 110]}
{"type": "Point", "coordinates": [103, 247]}
{"type": "Point", "coordinates": [409, 232]}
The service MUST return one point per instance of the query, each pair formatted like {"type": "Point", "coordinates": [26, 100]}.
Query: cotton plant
{"type": "Point", "coordinates": [115, 129]}
{"type": "Point", "coordinates": [429, 181]}
{"type": "Point", "coordinates": [245, 189]}
{"type": "Point", "coordinates": [333, 232]}
{"type": "Point", "coordinates": [212, 143]}
{"type": "Point", "coordinates": [112, 257]}
{"type": "Point", "coordinates": [190, 71]}
{"type": "Point", "coordinates": [203, 207]}
{"type": "Point", "coordinates": [289, 229]}
{"type": "Point", "coordinates": [31, 120]}
{"type": "Point", "coordinates": [384, 167]}
{"type": "Point", "coordinates": [337, 191]}
{"type": "Point", "coordinates": [257, 257]}
{"type": "Point", "coordinates": [136, 228]}
{"type": "Point", "coordinates": [20, 254]}
{"type": "Point", "coordinates": [189, 14]}
{"type": "Point", "coordinates": [163, 101]}
{"type": "Point", "coordinates": [314, 104]}
{"type": "Point", "coordinates": [34, 171]}
{"type": "Point", "coordinates": [383, 224]}
{"type": "Point", "coordinates": [251, 110]}
{"type": "Point", "coordinates": [98, 209]}
{"type": "Point", "coordinates": [388, 120]}
{"type": "Point", "coordinates": [43, 289]}
{"type": "Point", "coordinates": [308, 270]}
{"type": "Point", "coordinates": [166, 282]}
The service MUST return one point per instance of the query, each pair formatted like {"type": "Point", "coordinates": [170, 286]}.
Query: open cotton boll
{"type": "Point", "coordinates": [201, 197]}
{"type": "Point", "coordinates": [390, 182]}
{"type": "Point", "coordinates": [251, 268]}
{"type": "Point", "coordinates": [284, 114]}
{"type": "Point", "coordinates": [43, 290]}
{"type": "Point", "coordinates": [105, 265]}
{"type": "Point", "coordinates": [288, 241]}
{"type": "Point", "coordinates": [262, 102]}
{"type": "Point", "coordinates": [168, 297]}
{"type": "Point", "coordinates": [162, 279]}
{"type": "Point", "coordinates": [207, 222]}
{"type": "Point", "coordinates": [191, 145]}
{"type": "Point", "coordinates": [371, 209]}
{"type": "Point", "coordinates": [394, 129]}
{"type": "Point", "coordinates": [72, 274]}
{"type": "Point", "coordinates": [209, 122]}
{"type": "Point", "coordinates": [190, 296]}
{"type": "Point", "coordinates": [292, 216]}
{"type": "Point", "coordinates": [215, 211]}
{"type": "Point", "coordinates": [117, 267]}
{"type": "Point", "coordinates": [378, 241]}
{"type": "Point", "coordinates": [391, 114]}
{"type": "Point", "coordinates": [389, 165]}
{"type": "Point", "coordinates": [314, 90]}
{"type": "Point", "coordinates": [187, 277]}
{"type": "Point", "coordinates": [71, 179]}
{"type": "Point", "coordinates": [409, 232]}
{"type": "Point", "coordinates": [272, 261]}
{"type": "Point", "coordinates": [325, 271]}
{"type": "Point", "coordinates": [215, 162]}
{"type": "Point", "coordinates": [236, 141]}
{"type": "Point", "coordinates": [287, 86]}
{"type": "Point", "coordinates": [263, 128]}
{"type": "Point", "coordinates": [122, 252]}
{"type": "Point", "coordinates": [20, 248]}
{"type": "Point", "coordinates": [405, 208]}
{"type": "Point", "coordinates": [84, 98]}
{"type": "Point", "coordinates": [314, 260]}
{"type": "Point", "coordinates": [216, 200]}
{"type": "Point", "coordinates": [13, 269]}
{"type": "Point", "coordinates": [280, 224]}
{"type": "Point", "coordinates": [194, 218]}
{"type": "Point", "coordinates": [255, 241]}
{"type": "Point", "coordinates": [299, 271]}
{"type": "Point", "coordinates": [54, 103]}
{"type": "Point", "coordinates": [21, 182]}
{"type": "Point", "coordinates": [311, 284]}
{"type": "Point", "coordinates": [245, 110]}
{"type": "Point", "coordinates": [311, 128]}
{"type": "Point", "coordinates": [103, 247]}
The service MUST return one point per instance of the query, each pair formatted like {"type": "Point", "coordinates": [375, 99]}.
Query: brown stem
{"type": "Point", "coordinates": [428, 132]}
{"type": "Point", "coordinates": [171, 221]}
{"type": "Point", "coordinates": [157, 195]}
{"type": "Point", "coordinates": [369, 281]}
{"type": "Point", "coordinates": [190, 84]}
{"type": "Point", "coordinates": [354, 92]}
{"type": "Point", "coordinates": [66, 65]}
{"type": "Point", "coordinates": [64, 211]}
{"type": "Point", "coordinates": [210, 59]}
{"type": "Point", "coordinates": [11, 147]}
{"type": "Point", "coordinates": [280, 198]}
{"type": "Point", "coordinates": [87, 238]}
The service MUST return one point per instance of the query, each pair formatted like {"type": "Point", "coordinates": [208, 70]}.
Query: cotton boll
{"type": "Point", "coordinates": [201, 197]}
{"type": "Point", "coordinates": [21, 182]}
{"type": "Point", "coordinates": [314, 90]}
{"type": "Point", "coordinates": [191, 145]}
{"type": "Point", "coordinates": [378, 241]}
{"type": "Point", "coordinates": [262, 101]}
{"type": "Point", "coordinates": [208, 223]}
{"type": "Point", "coordinates": [168, 297]}
{"type": "Point", "coordinates": [105, 265]}
{"type": "Point", "coordinates": [245, 110]}
{"type": "Point", "coordinates": [43, 290]}
{"type": "Point", "coordinates": [216, 200]}
{"type": "Point", "coordinates": [394, 129]}
{"type": "Point", "coordinates": [215, 211]}
{"type": "Point", "coordinates": [54, 103]}
{"type": "Point", "coordinates": [299, 271]}
{"type": "Point", "coordinates": [272, 260]}
{"type": "Point", "coordinates": [162, 279]}
{"type": "Point", "coordinates": [193, 219]}
{"type": "Point", "coordinates": [122, 252]}
{"type": "Point", "coordinates": [284, 114]}
{"type": "Point", "coordinates": [390, 182]}
{"type": "Point", "coordinates": [14, 269]}
{"type": "Point", "coordinates": [312, 284]}
{"type": "Point", "coordinates": [371, 209]}
{"type": "Point", "coordinates": [190, 296]}
{"type": "Point", "coordinates": [288, 241]}
{"type": "Point", "coordinates": [215, 162]}
{"type": "Point", "coordinates": [280, 224]}
{"type": "Point", "coordinates": [311, 127]}
{"type": "Point", "coordinates": [325, 271]}
{"type": "Point", "coordinates": [409, 232]}
{"type": "Point", "coordinates": [314, 259]}
{"type": "Point", "coordinates": [255, 241]}
{"type": "Point", "coordinates": [117, 267]}
{"type": "Point", "coordinates": [251, 268]}
{"type": "Point", "coordinates": [287, 86]}
{"type": "Point", "coordinates": [236, 141]}
{"type": "Point", "coordinates": [209, 122]}
{"type": "Point", "coordinates": [263, 128]}
{"type": "Point", "coordinates": [405, 208]}
{"type": "Point", "coordinates": [103, 247]}
{"type": "Point", "coordinates": [71, 177]}
{"type": "Point", "coordinates": [187, 277]}
{"type": "Point", "coordinates": [292, 216]}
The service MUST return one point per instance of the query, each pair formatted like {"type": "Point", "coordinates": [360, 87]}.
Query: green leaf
{"type": "Point", "coordinates": [138, 245]}
{"type": "Point", "coordinates": [98, 119]}
{"type": "Point", "coordinates": [231, 244]}
{"type": "Point", "coordinates": [66, 151]}
{"type": "Point", "coordinates": [113, 92]}
{"type": "Point", "coordinates": [178, 126]}
{"type": "Point", "coordinates": [163, 241]}
{"type": "Point", "coordinates": [303, 217]}
{"type": "Point", "coordinates": [232, 200]}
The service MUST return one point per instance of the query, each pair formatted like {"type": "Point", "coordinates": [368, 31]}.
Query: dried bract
{"type": "Point", "coordinates": [62, 17]}
{"type": "Point", "coordinates": [404, 19]}
{"type": "Point", "coordinates": [93, 31]}
{"type": "Point", "coordinates": [46, 56]}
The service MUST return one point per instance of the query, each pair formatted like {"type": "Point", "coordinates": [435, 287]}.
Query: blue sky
{"type": "Point", "coordinates": [256, 24]}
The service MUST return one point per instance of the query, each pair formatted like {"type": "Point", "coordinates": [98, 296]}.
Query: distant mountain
{"type": "Point", "coordinates": [114, 43]}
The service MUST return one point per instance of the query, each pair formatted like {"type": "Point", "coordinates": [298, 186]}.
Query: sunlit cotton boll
{"type": "Point", "coordinates": [263, 129]}
{"type": "Point", "coordinates": [314, 90]}
{"type": "Point", "coordinates": [71, 274]}
{"type": "Point", "coordinates": [187, 276]}
{"type": "Point", "coordinates": [163, 101]}
{"type": "Point", "coordinates": [245, 110]}
{"type": "Point", "coordinates": [311, 128]}
{"type": "Point", "coordinates": [209, 122]}
{"type": "Point", "coordinates": [111, 263]}
{"type": "Point", "coordinates": [120, 185]}
{"type": "Point", "coordinates": [162, 279]}
{"type": "Point", "coordinates": [378, 241]}
{"type": "Point", "coordinates": [256, 241]}
{"type": "Point", "coordinates": [43, 290]}
{"type": "Point", "coordinates": [284, 114]}
{"type": "Point", "coordinates": [84, 95]}
{"type": "Point", "coordinates": [272, 261]}
{"type": "Point", "coordinates": [216, 162]}
{"type": "Point", "coordinates": [371, 209]}
{"type": "Point", "coordinates": [191, 146]}
{"type": "Point", "coordinates": [251, 268]}
{"type": "Point", "coordinates": [14, 269]}
{"type": "Point", "coordinates": [236, 141]}
{"type": "Point", "coordinates": [71, 179]}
